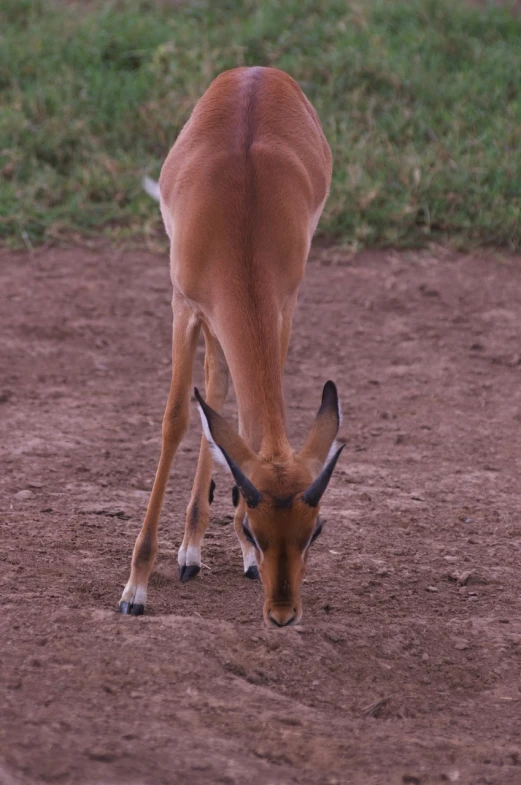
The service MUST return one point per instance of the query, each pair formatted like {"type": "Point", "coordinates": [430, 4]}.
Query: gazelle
{"type": "Point", "coordinates": [241, 193]}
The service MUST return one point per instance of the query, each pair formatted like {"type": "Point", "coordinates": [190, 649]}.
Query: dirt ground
{"type": "Point", "coordinates": [406, 667]}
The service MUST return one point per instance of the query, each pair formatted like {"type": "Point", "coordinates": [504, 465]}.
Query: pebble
{"type": "Point", "coordinates": [431, 588]}
{"type": "Point", "coordinates": [462, 645]}
{"type": "Point", "coordinates": [24, 495]}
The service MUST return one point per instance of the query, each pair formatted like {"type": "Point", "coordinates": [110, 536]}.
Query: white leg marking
{"type": "Point", "coordinates": [136, 595]}
{"type": "Point", "coordinates": [140, 597]}
{"type": "Point", "coordinates": [189, 556]}
{"type": "Point", "coordinates": [193, 556]}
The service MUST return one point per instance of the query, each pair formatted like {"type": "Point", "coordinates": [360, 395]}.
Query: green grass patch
{"type": "Point", "coordinates": [420, 101]}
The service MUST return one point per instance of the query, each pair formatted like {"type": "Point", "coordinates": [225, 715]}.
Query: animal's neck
{"type": "Point", "coordinates": [254, 354]}
{"type": "Point", "coordinates": [262, 416]}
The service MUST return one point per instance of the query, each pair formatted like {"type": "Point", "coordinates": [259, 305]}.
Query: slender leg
{"type": "Point", "coordinates": [249, 558]}
{"type": "Point", "coordinates": [175, 422]}
{"type": "Point", "coordinates": [198, 512]}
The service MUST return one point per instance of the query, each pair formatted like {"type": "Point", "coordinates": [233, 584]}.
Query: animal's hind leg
{"type": "Point", "coordinates": [198, 512]}
{"type": "Point", "coordinates": [175, 422]}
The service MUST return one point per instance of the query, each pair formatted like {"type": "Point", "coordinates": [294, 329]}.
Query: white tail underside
{"type": "Point", "coordinates": [152, 188]}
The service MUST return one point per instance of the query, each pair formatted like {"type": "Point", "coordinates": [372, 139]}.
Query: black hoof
{"type": "Point", "coordinates": [129, 609]}
{"type": "Point", "coordinates": [252, 573]}
{"type": "Point", "coordinates": [189, 572]}
{"type": "Point", "coordinates": [212, 489]}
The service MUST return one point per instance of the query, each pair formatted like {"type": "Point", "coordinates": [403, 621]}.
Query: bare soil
{"type": "Point", "coordinates": [406, 668]}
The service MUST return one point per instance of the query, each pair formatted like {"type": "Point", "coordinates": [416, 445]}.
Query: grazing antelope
{"type": "Point", "coordinates": [241, 193]}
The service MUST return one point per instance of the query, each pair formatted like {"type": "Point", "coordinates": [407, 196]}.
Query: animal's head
{"type": "Point", "coordinates": [280, 500]}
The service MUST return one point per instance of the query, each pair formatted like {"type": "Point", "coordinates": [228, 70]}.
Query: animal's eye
{"type": "Point", "coordinates": [318, 529]}
{"type": "Point", "coordinates": [248, 535]}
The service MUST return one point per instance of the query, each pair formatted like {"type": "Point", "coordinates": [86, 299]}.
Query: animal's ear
{"type": "Point", "coordinates": [316, 490]}
{"type": "Point", "coordinates": [229, 449]}
{"type": "Point", "coordinates": [321, 439]}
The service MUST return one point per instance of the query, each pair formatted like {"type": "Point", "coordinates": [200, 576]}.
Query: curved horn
{"type": "Point", "coordinates": [316, 490]}
{"type": "Point", "coordinates": [248, 490]}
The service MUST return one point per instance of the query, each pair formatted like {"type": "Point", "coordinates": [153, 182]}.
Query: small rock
{"type": "Point", "coordinates": [462, 645]}
{"type": "Point", "coordinates": [461, 578]}
{"type": "Point", "coordinates": [431, 588]}
{"type": "Point", "coordinates": [24, 495]}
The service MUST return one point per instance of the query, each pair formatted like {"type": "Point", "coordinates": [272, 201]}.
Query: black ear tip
{"type": "Point", "coordinates": [329, 397]}
{"type": "Point", "coordinates": [329, 390]}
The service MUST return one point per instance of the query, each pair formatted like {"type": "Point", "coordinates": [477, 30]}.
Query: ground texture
{"type": "Point", "coordinates": [406, 668]}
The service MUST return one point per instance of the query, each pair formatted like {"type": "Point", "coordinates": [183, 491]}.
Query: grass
{"type": "Point", "coordinates": [420, 101]}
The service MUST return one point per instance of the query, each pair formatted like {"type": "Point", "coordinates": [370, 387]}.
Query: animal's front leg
{"type": "Point", "coordinates": [198, 512]}
{"type": "Point", "coordinates": [175, 422]}
{"type": "Point", "coordinates": [249, 556]}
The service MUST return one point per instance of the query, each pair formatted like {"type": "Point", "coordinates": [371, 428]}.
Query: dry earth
{"type": "Point", "coordinates": [406, 668]}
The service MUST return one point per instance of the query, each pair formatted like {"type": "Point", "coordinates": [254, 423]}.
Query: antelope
{"type": "Point", "coordinates": [241, 193]}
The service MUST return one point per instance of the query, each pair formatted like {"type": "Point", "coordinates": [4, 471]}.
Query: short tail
{"type": "Point", "coordinates": [152, 188]}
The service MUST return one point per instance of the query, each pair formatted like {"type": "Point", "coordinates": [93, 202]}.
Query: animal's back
{"type": "Point", "coordinates": [247, 178]}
